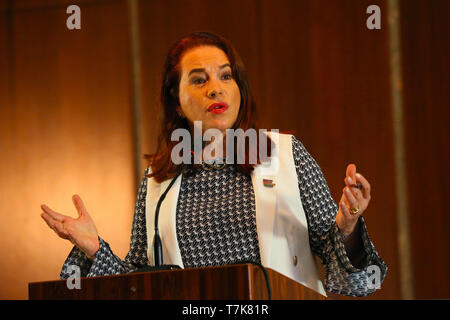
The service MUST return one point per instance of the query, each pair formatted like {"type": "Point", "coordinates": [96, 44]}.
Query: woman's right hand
{"type": "Point", "coordinates": [81, 231]}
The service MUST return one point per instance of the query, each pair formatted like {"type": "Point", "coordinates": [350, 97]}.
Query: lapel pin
{"type": "Point", "coordinates": [268, 183]}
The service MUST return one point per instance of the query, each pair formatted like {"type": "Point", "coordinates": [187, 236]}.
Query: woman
{"type": "Point", "coordinates": [216, 215]}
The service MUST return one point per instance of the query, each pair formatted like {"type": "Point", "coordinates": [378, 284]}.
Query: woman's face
{"type": "Point", "coordinates": [206, 78]}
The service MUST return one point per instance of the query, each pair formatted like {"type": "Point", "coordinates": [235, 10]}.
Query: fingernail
{"type": "Point", "coordinates": [350, 180]}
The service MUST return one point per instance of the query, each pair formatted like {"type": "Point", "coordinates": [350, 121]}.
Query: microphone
{"type": "Point", "coordinates": [157, 244]}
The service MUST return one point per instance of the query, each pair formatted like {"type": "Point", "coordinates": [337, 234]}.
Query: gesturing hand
{"type": "Point", "coordinates": [354, 201]}
{"type": "Point", "coordinates": [81, 231]}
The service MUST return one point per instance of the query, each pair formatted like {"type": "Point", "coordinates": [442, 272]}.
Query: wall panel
{"type": "Point", "coordinates": [67, 129]}
{"type": "Point", "coordinates": [426, 69]}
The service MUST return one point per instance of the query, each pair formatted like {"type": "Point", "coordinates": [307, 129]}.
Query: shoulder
{"type": "Point", "coordinates": [301, 155]}
{"type": "Point", "coordinates": [278, 135]}
{"type": "Point", "coordinates": [288, 143]}
{"type": "Point", "coordinates": [281, 139]}
{"type": "Point", "coordinates": [290, 138]}
{"type": "Point", "coordinates": [297, 146]}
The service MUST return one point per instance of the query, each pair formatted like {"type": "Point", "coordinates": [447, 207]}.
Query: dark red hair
{"type": "Point", "coordinates": [160, 162]}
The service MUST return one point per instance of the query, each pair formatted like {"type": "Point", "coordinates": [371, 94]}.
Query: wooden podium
{"type": "Point", "coordinates": [232, 282]}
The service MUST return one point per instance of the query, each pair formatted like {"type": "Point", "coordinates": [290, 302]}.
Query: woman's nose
{"type": "Point", "coordinates": [214, 90]}
{"type": "Point", "coordinates": [214, 93]}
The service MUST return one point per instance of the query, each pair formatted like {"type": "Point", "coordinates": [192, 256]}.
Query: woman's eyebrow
{"type": "Point", "coordinates": [203, 70]}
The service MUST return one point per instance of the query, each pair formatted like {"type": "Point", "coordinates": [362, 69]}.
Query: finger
{"type": "Point", "coordinates": [365, 185]}
{"type": "Point", "coordinates": [360, 195]}
{"type": "Point", "coordinates": [356, 185]}
{"type": "Point", "coordinates": [60, 230]}
{"type": "Point", "coordinates": [56, 226]}
{"type": "Point", "coordinates": [76, 199]}
{"type": "Point", "coordinates": [59, 227]}
{"type": "Point", "coordinates": [48, 220]}
{"type": "Point", "coordinates": [55, 215]}
{"type": "Point", "coordinates": [351, 172]}
{"type": "Point", "coordinates": [355, 188]}
{"type": "Point", "coordinates": [345, 209]}
{"type": "Point", "coordinates": [352, 201]}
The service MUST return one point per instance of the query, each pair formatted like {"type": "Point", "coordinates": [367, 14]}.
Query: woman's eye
{"type": "Point", "coordinates": [198, 80]}
{"type": "Point", "coordinates": [227, 76]}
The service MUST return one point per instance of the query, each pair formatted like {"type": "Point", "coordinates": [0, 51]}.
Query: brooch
{"type": "Point", "coordinates": [268, 183]}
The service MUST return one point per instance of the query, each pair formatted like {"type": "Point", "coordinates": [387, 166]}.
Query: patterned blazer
{"type": "Point", "coordinates": [345, 273]}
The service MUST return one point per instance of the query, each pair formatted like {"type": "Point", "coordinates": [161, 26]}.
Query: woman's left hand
{"type": "Point", "coordinates": [354, 201]}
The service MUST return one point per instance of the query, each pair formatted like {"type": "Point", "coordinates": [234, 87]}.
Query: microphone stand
{"type": "Point", "coordinates": [157, 244]}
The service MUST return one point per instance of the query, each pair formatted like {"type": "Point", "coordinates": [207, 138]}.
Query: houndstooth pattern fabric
{"type": "Point", "coordinates": [325, 239]}
{"type": "Point", "coordinates": [216, 218]}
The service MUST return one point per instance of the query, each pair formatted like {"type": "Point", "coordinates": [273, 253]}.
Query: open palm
{"type": "Point", "coordinates": [81, 231]}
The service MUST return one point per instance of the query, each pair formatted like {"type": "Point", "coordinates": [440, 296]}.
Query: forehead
{"type": "Point", "coordinates": [203, 57]}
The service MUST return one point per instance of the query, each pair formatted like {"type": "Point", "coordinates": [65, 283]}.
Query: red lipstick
{"type": "Point", "coordinates": [218, 107]}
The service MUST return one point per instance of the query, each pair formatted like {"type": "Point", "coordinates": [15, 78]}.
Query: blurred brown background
{"type": "Point", "coordinates": [78, 108]}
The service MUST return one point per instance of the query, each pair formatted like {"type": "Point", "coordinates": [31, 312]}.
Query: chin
{"type": "Point", "coordinates": [221, 125]}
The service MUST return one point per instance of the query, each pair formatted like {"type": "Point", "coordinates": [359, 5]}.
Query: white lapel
{"type": "Point", "coordinates": [265, 200]}
{"type": "Point", "coordinates": [167, 220]}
